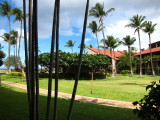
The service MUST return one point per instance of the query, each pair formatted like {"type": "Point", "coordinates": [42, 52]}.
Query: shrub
{"type": "Point", "coordinates": [150, 104]}
{"type": "Point", "coordinates": [43, 75]}
{"type": "Point", "coordinates": [125, 72]}
{"type": "Point", "coordinates": [15, 73]}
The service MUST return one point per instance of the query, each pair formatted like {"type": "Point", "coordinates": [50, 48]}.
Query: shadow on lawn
{"type": "Point", "coordinates": [142, 85]}
{"type": "Point", "coordinates": [14, 104]}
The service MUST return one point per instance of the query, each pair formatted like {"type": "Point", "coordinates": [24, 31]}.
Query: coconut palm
{"type": "Point", "coordinates": [115, 43]}
{"type": "Point", "coordinates": [84, 47]}
{"type": "Point", "coordinates": [90, 46]}
{"type": "Point", "coordinates": [137, 22]}
{"type": "Point", "coordinates": [6, 38]}
{"type": "Point", "coordinates": [149, 28]}
{"type": "Point", "coordinates": [128, 41]}
{"type": "Point", "coordinates": [14, 36]}
{"type": "Point", "coordinates": [18, 17]}
{"type": "Point", "coordinates": [95, 29]}
{"type": "Point", "coordinates": [6, 10]}
{"type": "Point", "coordinates": [111, 43]}
{"type": "Point", "coordinates": [70, 44]}
{"type": "Point", "coordinates": [99, 12]}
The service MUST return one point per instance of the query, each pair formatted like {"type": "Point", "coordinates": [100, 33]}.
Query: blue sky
{"type": "Point", "coordinates": [71, 22]}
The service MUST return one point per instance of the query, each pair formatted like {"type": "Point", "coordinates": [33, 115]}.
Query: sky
{"type": "Point", "coordinates": [72, 17]}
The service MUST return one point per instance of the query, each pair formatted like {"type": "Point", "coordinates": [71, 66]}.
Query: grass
{"type": "Point", "coordinates": [13, 106]}
{"type": "Point", "coordinates": [122, 88]}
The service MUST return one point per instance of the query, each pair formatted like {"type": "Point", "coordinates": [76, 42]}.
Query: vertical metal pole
{"type": "Point", "coordinates": [56, 62]}
{"type": "Point", "coordinates": [79, 64]}
{"type": "Point", "coordinates": [51, 64]}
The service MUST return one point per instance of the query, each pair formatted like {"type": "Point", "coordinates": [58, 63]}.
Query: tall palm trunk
{"type": "Point", "coordinates": [140, 54]}
{"type": "Point", "coordinates": [112, 63]}
{"type": "Point", "coordinates": [19, 46]}
{"type": "Point", "coordinates": [72, 49]}
{"type": "Point", "coordinates": [9, 45]}
{"type": "Point", "coordinates": [115, 70]}
{"type": "Point", "coordinates": [129, 50]}
{"type": "Point", "coordinates": [14, 57]}
{"type": "Point", "coordinates": [153, 72]}
{"type": "Point", "coordinates": [97, 42]}
{"type": "Point", "coordinates": [9, 48]}
{"type": "Point", "coordinates": [101, 20]}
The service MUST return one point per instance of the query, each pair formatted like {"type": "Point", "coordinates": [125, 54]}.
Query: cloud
{"type": "Point", "coordinates": [87, 40]}
{"type": "Point", "coordinates": [72, 16]}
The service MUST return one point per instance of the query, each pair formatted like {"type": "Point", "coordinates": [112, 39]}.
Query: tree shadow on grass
{"type": "Point", "coordinates": [14, 106]}
{"type": "Point", "coordinates": [142, 85]}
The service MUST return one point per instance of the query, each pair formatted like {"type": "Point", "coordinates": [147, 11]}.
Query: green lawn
{"type": "Point", "coordinates": [13, 106]}
{"type": "Point", "coordinates": [118, 88]}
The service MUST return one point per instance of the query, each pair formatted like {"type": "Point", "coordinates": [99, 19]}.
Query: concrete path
{"type": "Point", "coordinates": [99, 101]}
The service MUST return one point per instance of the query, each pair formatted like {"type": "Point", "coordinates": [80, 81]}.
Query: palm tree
{"type": "Point", "coordinates": [6, 38]}
{"type": "Point", "coordinates": [137, 23]}
{"type": "Point", "coordinates": [6, 10]}
{"type": "Point", "coordinates": [70, 44]}
{"type": "Point", "coordinates": [14, 36]}
{"type": "Point", "coordinates": [90, 46]}
{"type": "Point", "coordinates": [19, 17]}
{"type": "Point", "coordinates": [128, 41]}
{"type": "Point", "coordinates": [95, 29]}
{"type": "Point", "coordinates": [84, 47]}
{"type": "Point", "coordinates": [150, 28]}
{"type": "Point", "coordinates": [111, 43]}
{"type": "Point", "coordinates": [99, 12]}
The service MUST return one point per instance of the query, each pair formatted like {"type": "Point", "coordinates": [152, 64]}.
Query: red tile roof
{"type": "Point", "coordinates": [148, 51]}
{"type": "Point", "coordinates": [107, 52]}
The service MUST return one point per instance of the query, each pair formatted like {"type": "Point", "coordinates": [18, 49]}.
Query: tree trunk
{"type": "Point", "coordinates": [101, 20]}
{"type": "Point", "coordinates": [140, 75]}
{"type": "Point", "coordinates": [130, 61]}
{"type": "Point", "coordinates": [97, 43]}
{"type": "Point", "coordinates": [15, 58]}
{"type": "Point", "coordinates": [20, 41]}
{"type": "Point", "coordinates": [115, 70]}
{"type": "Point", "coordinates": [153, 72]}
{"type": "Point", "coordinates": [9, 45]}
{"type": "Point", "coordinates": [9, 48]}
{"type": "Point", "coordinates": [112, 63]}
{"type": "Point", "coordinates": [92, 81]}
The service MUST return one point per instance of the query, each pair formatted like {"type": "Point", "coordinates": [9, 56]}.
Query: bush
{"type": "Point", "coordinates": [43, 75]}
{"type": "Point", "coordinates": [15, 73]}
{"type": "Point", "coordinates": [125, 72]}
{"type": "Point", "coordinates": [150, 104]}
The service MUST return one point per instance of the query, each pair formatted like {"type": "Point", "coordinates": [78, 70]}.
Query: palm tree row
{"type": "Point", "coordinates": [137, 22]}
{"type": "Point", "coordinates": [12, 36]}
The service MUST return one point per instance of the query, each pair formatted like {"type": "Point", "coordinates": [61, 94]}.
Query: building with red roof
{"type": "Point", "coordinates": [114, 54]}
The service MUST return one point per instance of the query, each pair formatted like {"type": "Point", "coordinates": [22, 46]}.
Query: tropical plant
{"type": "Point", "coordinates": [70, 44]}
{"type": "Point", "coordinates": [95, 29]}
{"type": "Point", "coordinates": [99, 12]}
{"type": "Point", "coordinates": [90, 46]}
{"type": "Point", "coordinates": [111, 43]}
{"type": "Point", "coordinates": [6, 10]}
{"type": "Point", "coordinates": [12, 61]}
{"type": "Point", "coordinates": [6, 38]}
{"type": "Point", "coordinates": [128, 41]}
{"type": "Point", "coordinates": [19, 17]}
{"type": "Point", "coordinates": [149, 106]}
{"type": "Point", "coordinates": [149, 28]}
{"type": "Point", "coordinates": [84, 48]}
{"type": "Point", "coordinates": [2, 55]}
{"type": "Point", "coordinates": [137, 22]}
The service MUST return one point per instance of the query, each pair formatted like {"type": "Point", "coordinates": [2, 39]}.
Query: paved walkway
{"type": "Point", "coordinates": [85, 99]}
